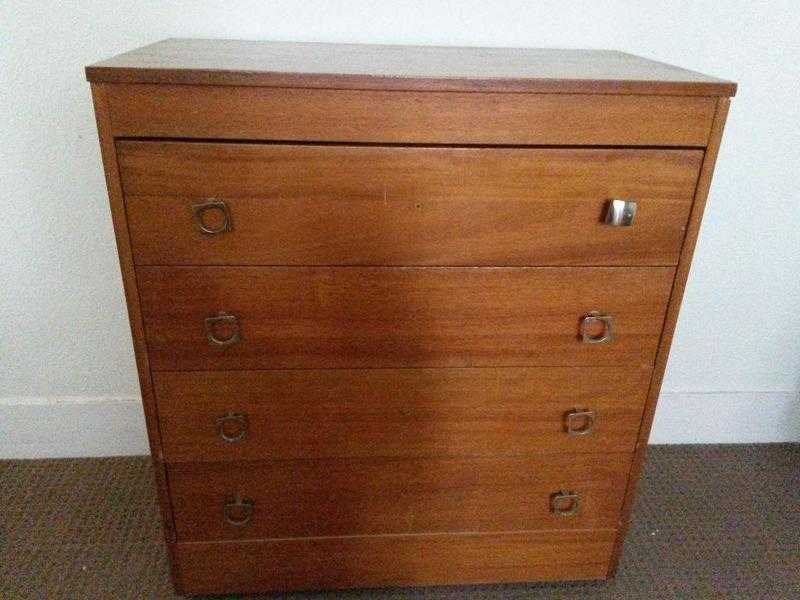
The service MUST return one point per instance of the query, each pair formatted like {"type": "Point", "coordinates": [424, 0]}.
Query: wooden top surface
{"type": "Point", "coordinates": [426, 68]}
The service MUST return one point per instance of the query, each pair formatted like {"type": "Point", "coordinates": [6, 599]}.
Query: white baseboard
{"type": "Point", "coordinates": [726, 418]}
{"type": "Point", "coordinates": [70, 427]}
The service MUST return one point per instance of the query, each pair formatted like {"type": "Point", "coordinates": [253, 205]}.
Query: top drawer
{"type": "Point", "coordinates": [407, 117]}
{"type": "Point", "coordinates": [292, 204]}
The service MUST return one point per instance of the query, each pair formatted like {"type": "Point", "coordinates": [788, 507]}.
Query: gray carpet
{"type": "Point", "coordinates": [709, 522]}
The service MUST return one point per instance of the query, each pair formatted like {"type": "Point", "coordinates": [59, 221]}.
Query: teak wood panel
{"type": "Point", "coordinates": [123, 245]}
{"type": "Point", "coordinates": [361, 496]}
{"type": "Point", "coordinates": [670, 322]}
{"type": "Point", "coordinates": [356, 205]}
{"type": "Point", "coordinates": [391, 560]}
{"type": "Point", "coordinates": [349, 317]}
{"type": "Point", "coordinates": [398, 412]}
{"type": "Point", "coordinates": [395, 67]}
{"type": "Point", "coordinates": [254, 113]}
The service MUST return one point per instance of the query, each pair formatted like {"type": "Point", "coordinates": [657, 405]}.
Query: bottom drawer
{"type": "Point", "coordinates": [366, 496]}
{"type": "Point", "coordinates": [392, 560]}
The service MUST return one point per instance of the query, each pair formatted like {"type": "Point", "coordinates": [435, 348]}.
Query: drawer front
{"type": "Point", "coordinates": [254, 113]}
{"type": "Point", "coordinates": [206, 318]}
{"type": "Point", "coordinates": [359, 496]}
{"type": "Point", "coordinates": [350, 205]}
{"type": "Point", "coordinates": [246, 415]}
{"type": "Point", "coordinates": [391, 560]}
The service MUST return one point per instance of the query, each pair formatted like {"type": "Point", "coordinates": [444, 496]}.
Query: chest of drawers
{"type": "Point", "coordinates": [400, 314]}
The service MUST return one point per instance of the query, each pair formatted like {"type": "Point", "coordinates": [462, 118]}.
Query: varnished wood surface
{"type": "Point", "coordinates": [670, 322]}
{"type": "Point", "coordinates": [360, 496]}
{"type": "Point", "coordinates": [366, 205]}
{"type": "Point", "coordinates": [349, 317]}
{"type": "Point", "coordinates": [391, 560]}
{"type": "Point", "coordinates": [122, 237]}
{"type": "Point", "coordinates": [362, 445]}
{"type": "Point", "coordinates": [398, 412]}
{"type": "Point", "coordinates": [394, 67]}
{"type": "Point", "coordinates": [321, 115]}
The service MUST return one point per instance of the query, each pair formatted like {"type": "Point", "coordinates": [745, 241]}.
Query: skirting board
{"type": "Point", "coordinates": [66, 427]}
{"type": "Point", "coordinates": [726, 418]}
{"type": "Point", "coordinates": [72, 427]}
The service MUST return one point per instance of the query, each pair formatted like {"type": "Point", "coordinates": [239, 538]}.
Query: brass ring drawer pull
{"type": "Point", "coordinates": [564, 504]}
{"type": "Point", "coordinates": [199, 212]}
{"type": "Point", "coordinates": [592, 319]}
{"type": "Point", "coordinates": [232, 421]}
{"type": "Point", "coordinates": [222, 319]}
{"type": "Point", "coordinates": [237, 511]}
{"type": "Point", "coordinates": [580, 422]}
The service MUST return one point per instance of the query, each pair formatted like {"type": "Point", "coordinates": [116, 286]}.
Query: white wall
{"type": "Point", "coordinates": [67, 375]}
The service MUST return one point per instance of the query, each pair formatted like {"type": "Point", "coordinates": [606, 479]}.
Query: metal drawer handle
{"type": "Point", "coordinates": [199, 211]}
{"type": "Point", "coordinates": [237, 511]}
{"type": "Point", "coordinates": [620, 213]}
{"type": "Point", "coordinates": [235, 422]}
{"type": "Point", "coordinates": [593, 318]}
{"type": "Point", "coordinates": [222, 319]}
{"type": "Point", "coordinates": [564, 504]}
{"type": "Point", "coordinates": [580, 422]}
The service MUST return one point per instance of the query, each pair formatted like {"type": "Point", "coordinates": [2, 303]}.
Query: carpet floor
{"type": "Point", "coordinates": [709, 522]}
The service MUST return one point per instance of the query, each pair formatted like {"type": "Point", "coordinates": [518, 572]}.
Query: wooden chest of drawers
{"type": "Point", "coordinates": [400, 314]}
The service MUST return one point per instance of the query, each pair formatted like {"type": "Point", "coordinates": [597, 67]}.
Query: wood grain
{"type": "Point", "coordinates": [350, 317]}
{"type": "Point", "coordinates": [117, 206]}
{"type": "Point", "coordinates": [405, 406]}
{"type": "Point", "coordinates": [356, 205]}
{"type": "Point", "coordinates": [391, 560]}
{"type": "Point", "coordinates": [398, 412]}
{"type": "Point", "coordinates": [366, 496]}
{"type": "Point", "coordinates": [252, 113]}
{"type": "Point", "coordinates": [367, 66]}
{"type": "Point", "coordinates": [670, 322]}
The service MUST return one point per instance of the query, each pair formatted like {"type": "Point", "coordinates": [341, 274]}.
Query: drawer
{"type": "Point", "coordinates": [408, 117]}
{"type": "Point", "coordinates": [391, 560]}
{"type": "Point", "coordinates": [359, 496]}
{"type": "Point", "coordinates": [372, 205]}
{"type": "Point", "coordinates": [207, 318]}
{"type": "Point", "coordinates": [245, 415]}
